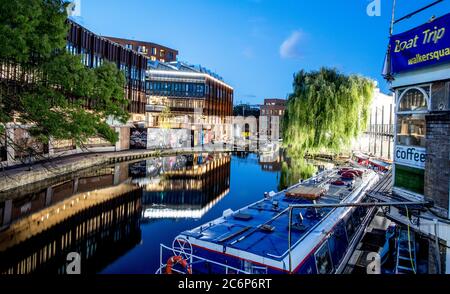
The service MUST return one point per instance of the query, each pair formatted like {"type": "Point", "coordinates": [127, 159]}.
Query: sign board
{"type": "Point", "coordinates": [410, 156]}
{"type": "Point", "coordinates": [428, 44]}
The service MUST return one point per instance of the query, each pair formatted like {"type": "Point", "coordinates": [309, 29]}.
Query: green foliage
{"type": "Point", "coordinates": [165, 117]}
{"type": "Point", "coordinates": [326, 111]}
{"type": "Point", "coordinates": [31, 30]}
{"type": "Point", "coordinates": [297, 169]}
{"type": "Point", "coordinates": [33, 38]}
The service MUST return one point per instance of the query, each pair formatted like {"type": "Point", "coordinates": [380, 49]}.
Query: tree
{"type": "Point", "coordinates": [326, 110]}
{"type": "Point", "coordinates": [166, 118]}
{"type": "Point", "coordinates": [51, 90]}
{"type": "Point", "coordinates": [297, 169]}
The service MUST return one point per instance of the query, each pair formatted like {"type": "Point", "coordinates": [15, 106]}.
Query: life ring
{"type": "Point", "coordinates": [177, 260]}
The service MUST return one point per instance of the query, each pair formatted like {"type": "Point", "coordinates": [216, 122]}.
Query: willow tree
{"type": "Point", "coordinates": [326, 110]}
{"type": "Point", "coordinates": [297, 169]}
{"type": "Point", "coordinates": [44, 87]}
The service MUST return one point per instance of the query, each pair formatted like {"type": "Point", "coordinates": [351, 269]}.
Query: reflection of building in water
{"type": "Point", "coordinates": [270, 161]}
{"type": "Point", "coordinates": [98, 225]}
{"type": "Point", "coordinates": [32, 198]}
{"type": "Point", "coordinates": [190, 191]}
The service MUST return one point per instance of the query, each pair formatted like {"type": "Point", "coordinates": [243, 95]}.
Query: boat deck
{"type": "Point", "coordinates": [262, 227]}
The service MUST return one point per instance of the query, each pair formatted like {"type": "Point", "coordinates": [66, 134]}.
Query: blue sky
{"type": "Point", "coordinates": [257, 45]}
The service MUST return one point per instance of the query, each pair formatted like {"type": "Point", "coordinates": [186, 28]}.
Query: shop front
{"type": "Point", "coordinates": [410, 140]}
{"type": "Point", "coordinates": [418, 68]}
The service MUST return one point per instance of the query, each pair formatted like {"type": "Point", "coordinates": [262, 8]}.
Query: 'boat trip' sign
{"type": "Point", "coordinates": [425, 45]}
{"type": "Point", "coordinates": [410, 156]}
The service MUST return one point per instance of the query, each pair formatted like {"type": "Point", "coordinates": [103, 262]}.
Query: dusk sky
{"type": "Point", "coordinates": [257, 45]}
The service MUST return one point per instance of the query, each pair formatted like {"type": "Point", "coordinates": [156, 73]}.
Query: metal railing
{"type": "Point", "coordinates": [193, 260]}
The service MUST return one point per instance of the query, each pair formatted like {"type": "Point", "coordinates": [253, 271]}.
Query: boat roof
{"type": "Point", "coordinates": [262, 227]}
{"type": "Point", "coordinates": [380, 163]}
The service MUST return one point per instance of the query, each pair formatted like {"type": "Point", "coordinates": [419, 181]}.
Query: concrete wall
{"type": "Point", "coordinates": [124, 138]}
{"type": "Point", "coordinates": [168, 138]}
{"type": "Point", "coordinates": [19, 135]}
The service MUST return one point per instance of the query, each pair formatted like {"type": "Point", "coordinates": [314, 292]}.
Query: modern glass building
{"type": "Point", "coordinates": [189, 98]}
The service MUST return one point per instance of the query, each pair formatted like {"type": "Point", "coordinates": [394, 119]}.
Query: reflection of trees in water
{"type": "Point", "coordinates": [294, 170]}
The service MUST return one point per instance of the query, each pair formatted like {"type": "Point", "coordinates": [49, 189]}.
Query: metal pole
{"type": "Point", "coordinates": [364, 204]}
{"type": "Point", "coordinates": [382, 131]}
{"type": "Point", "coordinates": [376, 132]}
{"type": "Point", "coordinates": [289, 240]}
{"type": "Point", "coordinates": [417, 11]}
{"type": "Point", "coordinates": [436, 240]}
{"type": "Point", "coordinates": [391, 28]}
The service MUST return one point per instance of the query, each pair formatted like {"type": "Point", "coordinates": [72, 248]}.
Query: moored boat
{"type": "Point", "coordinates": [271, 236]}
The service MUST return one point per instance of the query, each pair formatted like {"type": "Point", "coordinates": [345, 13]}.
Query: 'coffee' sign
{"type": "Point", "coordinates": [410, 156]}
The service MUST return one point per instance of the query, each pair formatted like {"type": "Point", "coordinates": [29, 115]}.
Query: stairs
{"type": "Point", "coordinates": [406, 262]}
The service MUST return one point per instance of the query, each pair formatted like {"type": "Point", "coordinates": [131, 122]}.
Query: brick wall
{"type": "Point", "coordinates": [437, 167]}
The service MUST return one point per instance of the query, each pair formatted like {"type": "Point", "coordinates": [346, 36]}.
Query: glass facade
{"type": "Point", "coordinates": [175, 89]}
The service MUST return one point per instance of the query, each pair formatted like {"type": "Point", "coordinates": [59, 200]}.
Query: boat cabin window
{"type": "Point", "coordinates": [358, 215]}
{"type": "Point", "coordinates": [350, 228]}
{"type": "Point", "coordinates": [323, 260]}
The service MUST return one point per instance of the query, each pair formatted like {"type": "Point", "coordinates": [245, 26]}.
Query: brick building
{"type": "Point", "coordinates": [272, 113]}
{"type": "Point", "coordinates": [94, 50]}
{"type": "Point", "coordinates": [151, 50]}
{"type": "Point", "coordinates": [422, 126]}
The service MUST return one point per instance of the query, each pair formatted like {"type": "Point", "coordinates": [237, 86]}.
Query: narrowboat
{"type": "Point", "coordinates": [270, 236]}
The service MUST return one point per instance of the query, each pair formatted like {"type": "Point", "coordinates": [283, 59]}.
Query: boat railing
{"type": "Point", "coordinates": [192, 261]}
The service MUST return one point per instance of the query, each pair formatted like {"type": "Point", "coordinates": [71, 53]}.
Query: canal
{"type": "Point", "coordinates": [116, 216]}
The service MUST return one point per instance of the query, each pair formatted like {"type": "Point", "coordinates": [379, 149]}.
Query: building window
{"type": "Point", "coordinates": [413, 100]}
{"type": "Point", "coordinates": [162, 53]}
{"type": "Point", "coordinates": [154, 51]}
{"type": "Point", "coordinates": [411, 129]}
{"type": "Point", "coordinates": [411, 125]}
{"type": "Point", "coordinates": [143, 49]}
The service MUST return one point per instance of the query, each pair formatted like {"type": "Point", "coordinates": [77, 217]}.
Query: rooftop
{"type": "Point", "coordinates": [148, 44]}
{"type": "Point", "coordinates": [181, 67]}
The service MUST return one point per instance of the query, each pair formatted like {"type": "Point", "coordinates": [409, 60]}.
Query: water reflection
{"type": "Point", "coordinates": [271, 161]}
{"type": "Point", "coordinates": [98, 212]}
{"type": "Point", "coordinates": [294, 169]}
{"type": "Point", "coordinates": [100, 225]}
{"type": "Point", "coordinates": [185, 188]}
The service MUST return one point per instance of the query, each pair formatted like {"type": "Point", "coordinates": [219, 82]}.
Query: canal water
{"type": "Point", "coordinates": [116, 216]}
